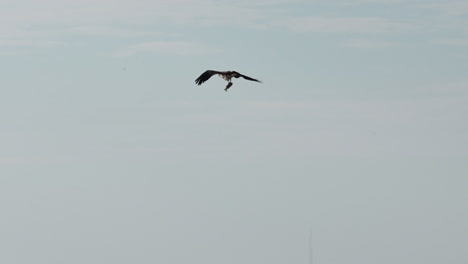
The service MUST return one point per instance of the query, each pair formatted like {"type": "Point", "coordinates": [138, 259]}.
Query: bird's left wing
{"type": "Point", "coordinates": [205, 76]}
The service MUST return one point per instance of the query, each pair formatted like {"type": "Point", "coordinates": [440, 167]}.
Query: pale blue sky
{"type": "Point", "coordinates": [111, 154]}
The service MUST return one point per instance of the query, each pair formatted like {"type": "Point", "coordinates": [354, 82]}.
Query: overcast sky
{"type": "Point", "coordinates": [358, 135]}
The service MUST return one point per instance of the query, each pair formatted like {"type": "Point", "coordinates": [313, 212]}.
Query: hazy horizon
{"type": "Point", "coordinates": [110, 153]}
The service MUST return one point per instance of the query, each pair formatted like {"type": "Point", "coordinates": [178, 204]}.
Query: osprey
{"type": "Point", "coordinates": [226, 75]}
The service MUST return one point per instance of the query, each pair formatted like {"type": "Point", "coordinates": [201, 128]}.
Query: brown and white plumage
{"type": "Point", "coordinates": [226, 75]}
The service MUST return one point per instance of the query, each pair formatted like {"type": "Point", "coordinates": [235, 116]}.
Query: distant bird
{"type": "Point", "coordinates": [226, 75]}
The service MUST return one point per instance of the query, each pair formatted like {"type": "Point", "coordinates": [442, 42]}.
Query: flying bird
{"type": "Point", "coordinates": [226, 75]}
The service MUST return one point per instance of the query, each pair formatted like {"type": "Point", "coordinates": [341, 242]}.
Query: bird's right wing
{"type": "Point", "coordinates": [249, 78]}
{"type": "Point", "coordinates": [205, 76]}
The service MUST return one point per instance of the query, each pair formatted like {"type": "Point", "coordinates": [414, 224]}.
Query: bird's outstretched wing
{"type": "Point", "coordinates": [249, 78]}
{"type": "Point", "coordinates": [205, 76]}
